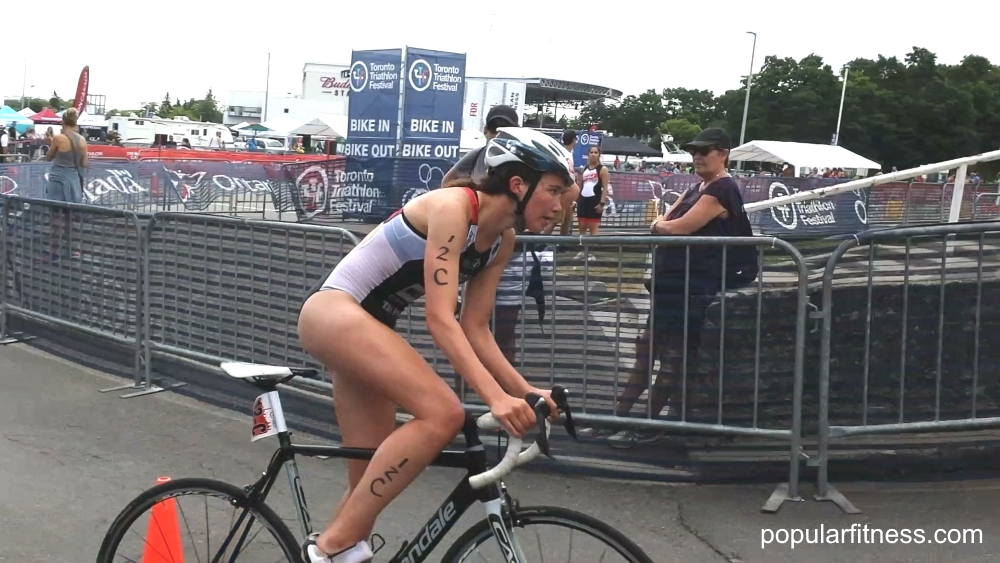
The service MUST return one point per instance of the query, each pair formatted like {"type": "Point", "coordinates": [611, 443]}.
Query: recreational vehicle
{"type": "Point", "coordinates": [143, 130]}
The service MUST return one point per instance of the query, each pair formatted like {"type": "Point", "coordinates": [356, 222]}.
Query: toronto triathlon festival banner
{"type": "Point", "coordinates": [434, 93]}
{"type": "Point", "coordinates": [373, 104]}
{"type": "Point", "coordinates": [841, 214]}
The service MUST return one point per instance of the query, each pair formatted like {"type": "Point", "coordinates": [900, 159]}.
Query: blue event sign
{"type": "Point", "coordinates": [434, 97]}
{"type": "Point", "coordinates": [373, 105]}
{"type": "Point", "coordinates": [585, 140]}
{"type": "Point", "coordinates": [839, 214]}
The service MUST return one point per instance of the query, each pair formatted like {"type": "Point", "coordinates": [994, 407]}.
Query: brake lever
{"type": "Point", "coordinates": [561, 397]}
{"type": "Point", "coordinates": [541, 408]}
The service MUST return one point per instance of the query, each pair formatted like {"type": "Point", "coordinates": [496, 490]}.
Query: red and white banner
{"type": "Point", "coordinates": [80, 101]}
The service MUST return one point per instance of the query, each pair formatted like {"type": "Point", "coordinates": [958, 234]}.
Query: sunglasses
{"type": "Point", "coordinates": [703, 151]}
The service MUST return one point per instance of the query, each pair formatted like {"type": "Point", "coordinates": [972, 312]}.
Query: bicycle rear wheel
{"type": "Point", "coordinates": [169, 533]}
{"type": "Point", "coordinates": [599, 540]}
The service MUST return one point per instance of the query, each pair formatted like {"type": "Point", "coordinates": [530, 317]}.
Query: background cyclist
{"type": "Point", "coordinates": [435, 242]}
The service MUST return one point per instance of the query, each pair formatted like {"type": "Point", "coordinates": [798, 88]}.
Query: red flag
{"type": "Point", "coordinates": [80, 101]}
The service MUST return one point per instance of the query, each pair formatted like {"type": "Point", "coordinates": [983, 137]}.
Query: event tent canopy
{"type": "Point", "coordinates": [627, 146]}
{"type": "Point", "coordinates": [802, 155]}
{"type": "Point", "coordinates": [471, 139]}
{"type": "Point", "coordinates": [323, 125]}
{"type": "Point", "coordinates": [280, 126]}
{"type": "Point", "coordinates": [46, 116]}
{"type": "Point", "coordinates": [87, 120]}
{"type": "Point", "coordinates": [8, 116]}
{"type": "Point", "coordinates": [27, 112]}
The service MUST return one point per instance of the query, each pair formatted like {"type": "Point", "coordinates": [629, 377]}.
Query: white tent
{"type": "Point", "coordinates": [471, 139]}
{"type": "Point", "coordinates": [239, 126]}
{"type": "Point", "coordinates": [27, 112]}
{"type": "Point", "coordinates": [279, 126]}
{"type": "Point", "coordinates": [802, 156]}
{"type": "Point", "coordinates": [87, 120]}
{"type": "Point", "coordinates": [323, 125]}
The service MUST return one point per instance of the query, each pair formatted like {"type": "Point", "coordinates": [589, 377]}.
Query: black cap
{"type": "Point", "coordinates": [712, 137]}
{"type": "Point", "coordinates": [506, 115]}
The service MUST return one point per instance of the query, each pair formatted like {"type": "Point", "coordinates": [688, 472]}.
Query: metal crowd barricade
{"type": "Point", "coordinates": [928, 291]}
{"type": "Point", "coordinates": [987, 211]}
{"type": "Point", "coordinates": [596, 312]}
{"type": "Point", "coordinates": [228, 289]}
{"type": "Point", "coordinates": [74, 266]}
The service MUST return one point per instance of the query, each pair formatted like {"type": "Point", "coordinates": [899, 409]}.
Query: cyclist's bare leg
{"type": "Point", "coordinates": [335, 330]}
{"type": "Point", "coordinates": [366, 418]}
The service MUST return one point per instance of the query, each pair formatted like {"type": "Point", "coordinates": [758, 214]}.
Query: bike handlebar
{"type": "Point", "coordinates": [514, 456]}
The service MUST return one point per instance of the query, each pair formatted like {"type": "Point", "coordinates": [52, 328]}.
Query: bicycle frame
{"type": "Point", "coordinates": [269, 420]}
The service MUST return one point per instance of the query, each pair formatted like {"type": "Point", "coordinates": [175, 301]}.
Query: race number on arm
{"type": "Point", "coordinates": [448, 217]}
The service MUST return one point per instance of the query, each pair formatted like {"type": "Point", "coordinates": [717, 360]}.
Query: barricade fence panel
{"type": "Point", "coordinates": [231, 289]}
{"type": "Point", "coordinates": [593, 334]}
{"type": "Point", "coordinates": [76, 264]}
{"type": "Point", "coordinates": [904, 317]}
{"type": "Point", "coordinates": [909, 315]}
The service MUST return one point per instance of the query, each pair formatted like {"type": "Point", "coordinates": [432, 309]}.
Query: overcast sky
{"type": "Point", "coordinates": [138, 52]}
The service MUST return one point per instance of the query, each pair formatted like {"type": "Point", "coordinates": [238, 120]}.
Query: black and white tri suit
{"type": "Point", "coordinates": [385, 272]}
{"type": "Point", "coordinates": [590, 195]}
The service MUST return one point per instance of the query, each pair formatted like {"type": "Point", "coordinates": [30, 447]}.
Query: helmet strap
{"type": "Point", "coordinates": [523, 202]}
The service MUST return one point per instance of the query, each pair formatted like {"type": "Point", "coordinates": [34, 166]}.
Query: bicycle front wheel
{"type": "Point", "coordinates": [198, 520]}
{"type": "Point", "coordinates": [549, 533]}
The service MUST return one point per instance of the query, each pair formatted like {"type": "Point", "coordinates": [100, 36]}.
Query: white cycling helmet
{"type": "Point", "coordinates": [534, 149]}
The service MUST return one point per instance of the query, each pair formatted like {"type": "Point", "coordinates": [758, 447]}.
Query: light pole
{"type": "Point", "coordinates": [843, 93]}
{"type": "Point", "coordinates": [267, 88]}
{"type": "Point", "coordinates": [746, 102]}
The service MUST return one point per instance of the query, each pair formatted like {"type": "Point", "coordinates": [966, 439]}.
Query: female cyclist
{"type": "Point", "coordinates": [437, 241]}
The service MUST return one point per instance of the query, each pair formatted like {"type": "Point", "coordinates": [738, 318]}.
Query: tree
{"type": "Point", "coordinates": [681, 130]}
{"type": "Point", "coordinates": [36, 104]}
{"type": "Point", "coordinates": [206, 109]}
{"type": "Point", "coordinates": [897, 112]}
{"type": "Point", "coordinates": [55, 102]}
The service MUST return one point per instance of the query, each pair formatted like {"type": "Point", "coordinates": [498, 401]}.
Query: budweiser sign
{"type": "Point", "coordinates": [330, 82]}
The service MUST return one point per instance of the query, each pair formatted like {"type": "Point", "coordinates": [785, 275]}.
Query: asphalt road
{"type": "Point", "coordinates": [71, 458]}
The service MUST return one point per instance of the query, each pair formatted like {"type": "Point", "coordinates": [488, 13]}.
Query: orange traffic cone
{"type": "Point", "coordinates": [163, 535]}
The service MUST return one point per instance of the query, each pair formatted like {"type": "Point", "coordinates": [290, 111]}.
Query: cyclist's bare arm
{"type": "Point", "coordinates": [480, 295]}
{"type": "Point", "coordinates": [448, 217]}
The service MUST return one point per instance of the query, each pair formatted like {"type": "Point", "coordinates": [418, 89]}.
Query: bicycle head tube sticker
{"type": "Point", "coordinates": [263, 419]}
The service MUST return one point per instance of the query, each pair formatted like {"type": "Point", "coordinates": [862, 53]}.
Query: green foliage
{"type": "Point", "coordinates": [205, 109]}
{"type": "Point", "coordinates": [36, 104]}
{"type": "Point", "coordinates": [681, 130]}
{"type": "Point", "coordinates": [901, 113]}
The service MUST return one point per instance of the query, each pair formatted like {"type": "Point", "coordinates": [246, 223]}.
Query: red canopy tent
{"type": "Point", "coordinates": [46, 116]}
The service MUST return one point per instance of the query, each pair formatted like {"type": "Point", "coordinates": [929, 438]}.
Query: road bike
{"type": "Point", "coordinates": [506, 521]}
